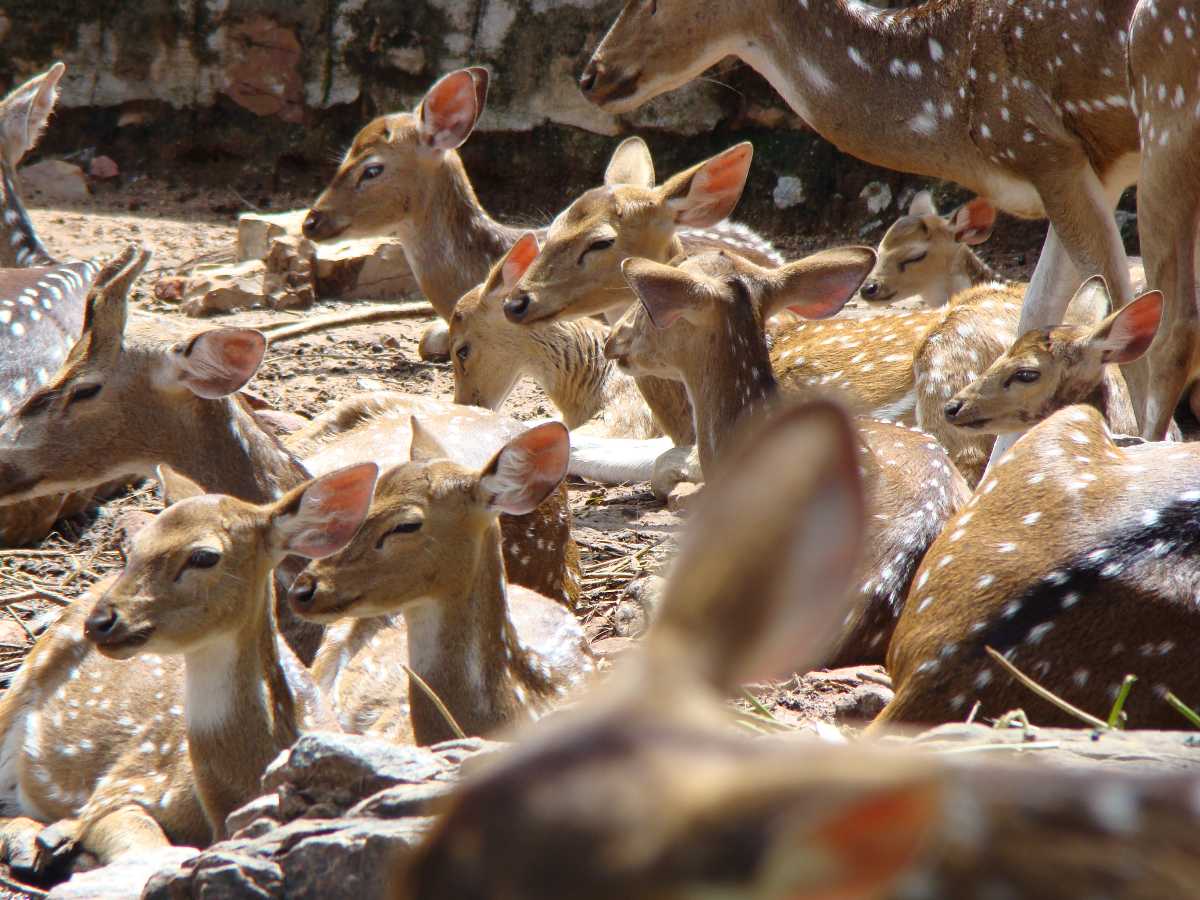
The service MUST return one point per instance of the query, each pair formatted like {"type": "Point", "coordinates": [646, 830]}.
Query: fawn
{"type": "Point", "coordinates": [703, 322]}
{"type": "Point", "coordinates": [132, 755]}
{"type": "Point", "coordinates": [494, 653]}
{"type": "Point", "coordinates": [647, 792]}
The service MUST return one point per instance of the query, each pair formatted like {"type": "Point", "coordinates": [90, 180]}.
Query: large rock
{"type": "Point", "coordinates": [122, 879]}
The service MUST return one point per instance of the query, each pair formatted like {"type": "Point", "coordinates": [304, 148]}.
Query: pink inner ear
{"type": "Point", "coordinates": [332, 510]}
{"type": "Point", "coordinates": [528, 468]}
{"type": "Point", "coordinates": [974, 222]}
{"type": "Point", "coordinates": [716, 188]}
{"type": "Point", "coordinates": [449, 111]}
{"type": "Point", "coordinates": [1135, 327]}
{"type": "Point", "coordinates": [222, 361]}
{"type": "Point", "coordinates": [519, 259]}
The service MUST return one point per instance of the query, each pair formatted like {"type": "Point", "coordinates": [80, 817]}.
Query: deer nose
{"type": "Point", "coordinates": [101, 622]}
{"type": "Point", "coordinates": [302, 592]}
{"type": "Point", "coordinates": [869, 289]}
{"type": "Point", "coordinates": [517, 307]}
{"type": "Point", "coordinates": [314, 223]}
{"type": "Point", "coordinates": [952, 409]}
{"type": "Point", "coordinates": [587, 81]}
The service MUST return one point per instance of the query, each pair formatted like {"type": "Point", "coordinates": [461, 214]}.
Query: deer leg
{"type": "Point", "coordinates": [1173, 357]}
{"type": "Point", "coordinates": [18, 844]}
{"type": "Point", "coordinates": [126, 829]}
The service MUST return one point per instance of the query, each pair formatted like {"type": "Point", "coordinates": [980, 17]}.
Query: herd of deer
{"type": "Point", "coordinates": [403, 566]}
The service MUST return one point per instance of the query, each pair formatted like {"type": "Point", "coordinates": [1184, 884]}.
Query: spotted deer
{"type": "Point", "coordinates": [403, 176]}
{"type": "Point", "coordinates": [702, 322]}
{"type": "Point", "coordinates": [150, 405]}
{"type": "Point", "coordinates": [929, 256]}
{"type": "Point", "coordinates": [1043, 111]}
{"type": "Point", "coordinates": [41, 300]}
{"type": "Point", "coordinates": [605, 802]}
{"type": "Point", "coordinates": [1049, 369]}
{"type": "Point", "coordinates": [100, 730]}
{"type": "Point", "coordinates": [495, 654]}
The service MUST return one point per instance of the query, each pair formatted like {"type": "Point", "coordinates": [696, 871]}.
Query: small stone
{"type": "Point", "coordinates": [789, 192]}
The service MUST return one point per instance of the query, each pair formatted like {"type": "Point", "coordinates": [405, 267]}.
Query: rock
{"type": "Point", "coordinates": [789, 192]}
{"type": "Point", "coordinates": [288, 282]}
{"type": "Point", "coordinates": [856, 692]}
{"type": "Point", "coordinates": [878, 197]}
{"type": "Point", "coordinates": [261, 68]}
{"type": "Point", "coordinates": [216, 288]}
{"type": "Point", "coordinates": [674, 466]}
{"type": "Point", "coordinates": [124, 878]}
{"type": "Point", "coordinates": [53, 179]}
{"type": "Point", "coordinates": [264, 807]}
{"type": "Point", "coordinates": [102, 168]}
{"type": "Point", "coordinates": [611, 649]}
{"type": "Point", "coordinates": [401, 801]}
{"type": "Point", "coordinates": [435, 342]}
{"type": "Point", "coordinates": [255, 231]}
{"type": "Point", "coordinates": [364, 269]}
{"type": "Point", "coordinates": [637, 606]}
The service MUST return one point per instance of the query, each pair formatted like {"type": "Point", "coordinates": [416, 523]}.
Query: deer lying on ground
{"type": "Point", "coordinates": [149, 405]}
{"type": "Point", "coordinates": [1049, 369]}
{"type": "Point", "coordinates": [106, 746]}
{"type": "Point", "coordinates": [702, 322]}
{"type": "Point", "coordinates": [648, 792]}
{"type": "Point", "coordinates": [41, 300]}
{"type": "Point", "coordinates": [495, 654]}
{"type": "Point", "coordinates": [403, 176]}
{"type": "Point", "coordinates": [1078, 606]}
{"type": "Point", "coordinates": [1089, 105]}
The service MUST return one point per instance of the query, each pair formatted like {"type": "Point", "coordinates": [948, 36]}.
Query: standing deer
{"type": "Point", "coordinates": [647, 792]}
{"type": "Point", "coordinates": [403, 176]}
{"type": "Point", "coordinates": [1044, 111]}
{"type": "Point", "coordinates": [117, 750]}
{"type": "Point", "coordinates": [495, 654]}
{"type": "Point", "coordinates": [703, 323]}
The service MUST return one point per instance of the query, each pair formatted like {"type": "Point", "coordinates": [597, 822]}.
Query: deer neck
{"type": "Point", "coordinates": [19, 243]}
{"type": "Point", "coordinates": [451, 242]}
{"type": "Point", "coordinates": [239, 710]}
{"type": "Point", "coordinates": [225, 450]}
{"type": "Point", "coordinates": [728, 380]}
{"type": "Point", "coordinates": [463, 645]}
{"type": "Point", "coordinates": [571, 368]}
{"type": "Point", "coordinates": [810, 50]}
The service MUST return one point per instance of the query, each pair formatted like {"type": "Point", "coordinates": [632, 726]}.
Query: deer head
{"type": "Point", "coordinates": [112, 407]}
{"type": "Point", "coordinates": [655, 46]}
{"type": "Point", "coordinates": [1048, 369]}
{"type": "Point", "coordinates": [578, 271]}
{"type": "Point", "coordinates": [399, 163]}
{"type": "Point", "coordinates": [922, 250]}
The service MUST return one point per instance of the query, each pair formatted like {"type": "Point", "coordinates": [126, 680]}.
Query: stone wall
{"type": "Point", "coordinates": [165, 82]}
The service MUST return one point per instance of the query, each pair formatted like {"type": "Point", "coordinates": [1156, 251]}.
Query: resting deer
{"type": "Point", "coordinates": [403, 176]}
{"type": "Point", "coordinates": [925, 255]}
{"type": "Point", "coordinates": [130, 754]}
{"type": "Point", "coordinates": [41, 300]}
{"type": "Point", "coordinates": [1049, 369]}
{"type": "Point", "coordinates": [151, 405]}
{"type": "Point", "coordinates": [703, 323]}
{"type": "Point", "coordinates": [1043, 111]}
{"type": "Point", "coordinates": [495, 654]}
{"type": "Point", "coordinates": [648, 792]}
{"type": "Point", "coordinates": [1075, 606]}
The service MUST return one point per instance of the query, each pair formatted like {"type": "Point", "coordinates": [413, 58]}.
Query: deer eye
{"type": "Point", "coordinates": [83, 392]}
{"type": "Point", "coordinates": [1026, 376]}
{"type": "Point", "coordinates": [408, 527]}
{"type": "Point", "coordinates": [372, 171]}
{"type": "Point", "coordinates": [916, 259]}
{"type": "Point", "coordinates": [200, 558]}
{"type": "Point", "coordinates": [463, 352]}
{"type": "Point", "coordinates": [602, 244]}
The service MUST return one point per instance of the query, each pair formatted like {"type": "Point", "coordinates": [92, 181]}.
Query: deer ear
{"type": "Point", "coordinates": [1090, 304]}
{"type": "Point", "coordinates": [506, 273]}
{"type": "Point", "coordinates": [321, 517]}
{"type": "Point", "coordinates": [665, 291]}
{"type": "Point", "coordinates": [175, 486]}
{"type": "Point", "coordinates": [747, 604]}
{"type": "Point", "coordinates": [217, 363]}
{"type": "Point", "coordinates": [818, 286]}
{"type": "Point", "coordinates": [972, 222]}
{"type": "Point", "coordinates": [425, 445]}
{"type": "Point", "coordinates": [25, 111]}
{"type": "Point", "coordinates": [705, 194]}
{"type": "Point", "coordinates": [922, 205]}
{"type": "Point", "coordinates": [1128, 333]}
{"type": "Point", "coordinates": [106, 307]}
{"type": "Point", "coordinates": [526, 470]}
{"type": "Point", "coordinates": [448, 113]}
{"type": "Point", "coordinates": [631, 163]}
